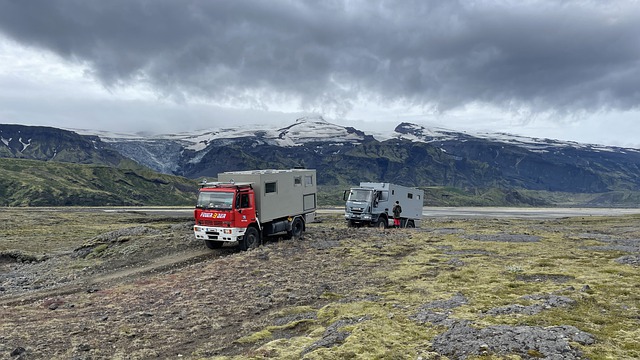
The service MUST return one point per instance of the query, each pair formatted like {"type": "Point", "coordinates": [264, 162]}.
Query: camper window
{"type": "Point", "coordinates": [270, 187]}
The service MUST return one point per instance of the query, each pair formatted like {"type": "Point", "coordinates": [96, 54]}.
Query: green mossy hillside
{"type": "Point", "coordinates": [49, 183]}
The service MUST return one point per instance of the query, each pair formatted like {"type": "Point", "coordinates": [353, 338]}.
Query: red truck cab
{"type": "Point", "coordinates": [223, 213]}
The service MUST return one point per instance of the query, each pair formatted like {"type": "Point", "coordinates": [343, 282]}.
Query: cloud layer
{"type": "Point", "coordinates": [536, 56]}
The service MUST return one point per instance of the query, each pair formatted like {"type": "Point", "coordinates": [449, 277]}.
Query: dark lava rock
{"type": "Point", "coordinates": [426, 312]}
{"type": "Point", "coordinates": [633, 260]}
{"type": "Point", "coordinates": [548, 302]}
{"type": "Point", "coordinates": [462, 341]}
{"type": "Point", "coordinates": [559, 279]}
{"type": "Point", "coordinates": [333, 336]}
{"type": "Point", "coordinates": [18, 351]}
{"type": "Point", "coordinates": [457, 300]}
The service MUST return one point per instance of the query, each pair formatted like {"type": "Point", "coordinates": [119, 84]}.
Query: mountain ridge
{"type": "Point", "coordinates": [277, 135]}
{"type": "Point", "coordinates": [412, 155]}
{"type": "Point", "coordinates": [55, 144]}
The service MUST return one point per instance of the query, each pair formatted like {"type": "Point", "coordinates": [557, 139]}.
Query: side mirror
{"type": "Point", "coordinates": [344, 195]}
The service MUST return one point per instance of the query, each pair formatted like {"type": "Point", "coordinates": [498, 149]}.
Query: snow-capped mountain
{"type": "Point", "coordinates": [304, 130]}
{"type": "Point", "coordinates": [434, 135]}
{"type": "Point", "coordinates": [317, 130]}
{"type": "Point", "coordinates": [169, 152]}
{"type": "Point", "coordinates": [413, 155]}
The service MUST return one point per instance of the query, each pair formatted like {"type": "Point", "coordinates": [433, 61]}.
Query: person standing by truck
{"type": "Point", "coordinates": [371, 204]}
{"type": "Point", "coordinates": [397, 210]}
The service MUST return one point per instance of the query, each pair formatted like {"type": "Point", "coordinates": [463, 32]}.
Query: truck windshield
{"type": "Point", "coordinates": [215, 200]}
{"type": "Point", "coordinates": [360, 195]}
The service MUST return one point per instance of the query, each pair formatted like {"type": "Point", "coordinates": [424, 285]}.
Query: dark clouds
{"type": "Point", "coordinates": [558, 56]}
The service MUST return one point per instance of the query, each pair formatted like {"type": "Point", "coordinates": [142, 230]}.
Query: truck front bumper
{"type": "Point", "coordinates": [358, 217]}
{"type": "Point", "coordinates": [218, 233]}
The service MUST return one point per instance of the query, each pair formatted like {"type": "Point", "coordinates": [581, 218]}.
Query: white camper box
{"type": "Point", "coordinates": [279, 193]}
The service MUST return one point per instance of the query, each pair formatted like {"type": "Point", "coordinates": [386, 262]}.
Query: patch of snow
{"type": "Point", "coordinates": [311, 129]}
{"type": "Point", "coordinates": [196, 159]}
{"type": "Point", "coordinates": [6, 141]}
{"type": "Point", "coordinates": [382, 136]}
{"type": "Point", "coordinates": [603, 148]}
{"type": "Point", "coordinates": [24, 145]}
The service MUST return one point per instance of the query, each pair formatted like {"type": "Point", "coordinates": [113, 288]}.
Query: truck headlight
{"type": "Point", "coordinates": [366, 217]}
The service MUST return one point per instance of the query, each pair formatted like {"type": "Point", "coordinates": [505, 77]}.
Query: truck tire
{"type": "Point", "coordinates": [411, 224]}
{"type": "Point", "coordinates": [297, 227]}
{"type": "Point", "coordinates": [213, 244]}
{"type": "Point", "coordinates": [381, 223]}
{"type": "Point", "coordinates": [250, 240]}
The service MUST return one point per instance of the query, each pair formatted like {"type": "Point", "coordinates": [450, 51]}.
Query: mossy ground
{"type": "Point", "coordinates": [53, 230]}
{"type": "Point", "coordinates": [339, 293]}
{"type": "Point", "coordinates": [417, 269]}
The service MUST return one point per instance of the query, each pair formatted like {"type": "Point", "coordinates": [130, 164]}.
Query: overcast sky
{"type": "Point", "coordinates": [557, 69]}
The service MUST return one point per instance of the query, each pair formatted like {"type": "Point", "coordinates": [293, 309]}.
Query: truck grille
{"type": "Point", "coordinates": [209, 223]}
{"type": "Point", "coordinates": [356, 210]}
{"type": "Point", "coordinates": [213, 235]}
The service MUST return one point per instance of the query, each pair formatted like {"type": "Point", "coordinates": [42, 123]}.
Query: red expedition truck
{"type": "Point", "coordinates": [249, 206]}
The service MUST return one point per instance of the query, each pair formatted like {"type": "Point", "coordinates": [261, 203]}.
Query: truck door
{"type": "Point", "coordinates": [382, 198]}
{"type": "Point", "coordinates": [246, 208]}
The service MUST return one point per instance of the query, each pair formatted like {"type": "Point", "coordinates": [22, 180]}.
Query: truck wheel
{"type": "Point", "coordinates": [250, 240]}
{"type": "Point", "coordinates": [297, 227]}
{"type": "Point", "coordinates": [213, 244]}
{"type": "Point", "coordinates": [381, 223]}
{"type": "Point", "coordinates": [411, 224]}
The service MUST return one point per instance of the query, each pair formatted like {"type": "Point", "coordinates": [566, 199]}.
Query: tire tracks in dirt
{"type": "Point", "coordinates": [154, 266]}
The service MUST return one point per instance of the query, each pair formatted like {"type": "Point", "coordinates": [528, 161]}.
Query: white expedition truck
{"type": "Point", "coordinates": [248, 206]}
{"type": "Point", "coordinates": [372, 204]}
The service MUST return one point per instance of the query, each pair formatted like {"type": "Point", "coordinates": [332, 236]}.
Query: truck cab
{"type": "Point", "coordinates": [223, 212]}
{"type": "Point", "coordinates": [366, 206]}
